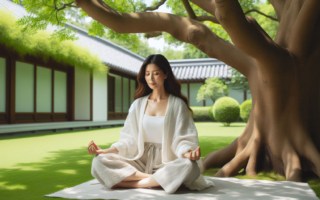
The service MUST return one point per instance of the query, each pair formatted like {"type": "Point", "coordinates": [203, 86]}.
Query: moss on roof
{"type": "Point", "coordinates": [43, 46]}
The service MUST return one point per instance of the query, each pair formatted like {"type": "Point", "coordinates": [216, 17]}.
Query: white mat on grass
{"type": "Point", "coordinates": [226, 188]}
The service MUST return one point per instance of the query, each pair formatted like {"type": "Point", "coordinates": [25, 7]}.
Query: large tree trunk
{"type": "Point", "coordinates": [282, 133]}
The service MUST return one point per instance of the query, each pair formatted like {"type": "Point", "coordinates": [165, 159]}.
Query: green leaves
{"type": "Point", "coordinates": [238, 81]}
{"type": "Point", "coordinates": [44, 13]}
{"type": "Point", "coordinates": [96, 29]}
{"type": "Point", "coordinates": [268, 25]}
{"type": "Point", "coordinates": [44, 46]}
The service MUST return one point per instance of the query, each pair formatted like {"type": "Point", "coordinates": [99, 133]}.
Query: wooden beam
{"type": "Point", "coordinates": [91, 95]}
{"type": "Point", "coordinates": [8, 114]}
{"type": "Point", "coordinates": [12, 90]}
{"type": "Point", "coordinates": [35, 92]}
{"type": "Point", "coordinates": [52, 93]}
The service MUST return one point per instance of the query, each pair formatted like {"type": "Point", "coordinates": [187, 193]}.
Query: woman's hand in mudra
{"type": "Point", "coordinates": [101, 151]}
{"type": "Point", "coordinates": [193, 155]}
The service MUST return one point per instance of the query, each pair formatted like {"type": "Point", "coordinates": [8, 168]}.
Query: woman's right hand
{"type": "Point", "coordinates": [92, 150]}
{"type": "Point", "coordinates": [102, 151]}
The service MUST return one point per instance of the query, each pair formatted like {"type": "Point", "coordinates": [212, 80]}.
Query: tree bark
{"type": "Point", "coordinates": [283, 130]}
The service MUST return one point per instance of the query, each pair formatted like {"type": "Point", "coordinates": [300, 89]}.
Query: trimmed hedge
{"type": "Point", "coordinates": [201, 113]}
{"type": "Point", "coordinates": [245, 110]}
{"type": "Point", "coordinates": [226, 110]}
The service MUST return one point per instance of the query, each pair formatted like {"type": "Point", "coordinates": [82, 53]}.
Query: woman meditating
{"type": "Point", "coordinates": [158, 145]}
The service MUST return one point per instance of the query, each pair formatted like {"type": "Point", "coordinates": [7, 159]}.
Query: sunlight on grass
{"type": "Point", "coordinates": [64, 161]}
{"type": "Point", "coordinates": [51, 142]}
{"type": "Point", "coordinates": [29, 168]}
{"type": "Point", "coordinates": [217, 129]}
{"type": "Point", "coordinates": [67, 171]}
{"type": "Point", "coordinates": [83, 162]}
{"type": "Point", "coordinates": [60, 186]}
{"type": "Point", "coordinates": [3, 186]}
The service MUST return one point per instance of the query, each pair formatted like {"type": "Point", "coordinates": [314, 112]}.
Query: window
{"type": "Point", "coordinates": [40, 93]}
{"type": "Point", "coordinates": [120, 95]}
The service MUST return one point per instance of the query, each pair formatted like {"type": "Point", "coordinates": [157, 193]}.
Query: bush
{"type": "Point", "coordinates": [211, 113]}
{"type": "Point", "coordinates": [226, 110]}
{"type": "Point", "coordinates": [245, 110]}
{"type": "Point", "coordinates": [201, 113]}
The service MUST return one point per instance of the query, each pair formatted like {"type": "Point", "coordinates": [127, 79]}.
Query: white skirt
{"type": "Point", "coordinates": [110, 169]}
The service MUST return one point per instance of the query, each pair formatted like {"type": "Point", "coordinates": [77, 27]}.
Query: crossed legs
{"type": "Point", "coordinates": [137, 180]}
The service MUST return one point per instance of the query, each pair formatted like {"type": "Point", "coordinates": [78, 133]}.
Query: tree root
{"type": "Point", "coordinates": [286, 158]}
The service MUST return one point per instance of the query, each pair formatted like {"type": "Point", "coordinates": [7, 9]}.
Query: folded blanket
{"type": "Point", "coordinates": [225, 188]}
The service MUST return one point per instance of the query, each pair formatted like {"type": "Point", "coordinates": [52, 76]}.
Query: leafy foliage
{"type": "Point", "coordinates": [56, 12]}
{"type": "Point", "coordinates": [201, 113]}
{"type": "Point", "coordinates": [213, 89]}
{"type": "Point", "coordinates": [210, 112]}
{"type": "Point", "coordinates": [43, 46]}
{"type": "Point", "coordinates": [226, 110]}
{"type": "Point", "coordinates": [245, 110]}
{"type": "Point", "coordinates": [238, 81]}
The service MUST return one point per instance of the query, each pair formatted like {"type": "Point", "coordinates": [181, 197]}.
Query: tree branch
{"type": "Point", "coordinates": [278, 6]}
{"type": "Point", "coordinates": [261, 13]}
{"type": "Point", "coordinates": [189, 9]}
{"type": "Point", "coordinates": [206, 5]}
{"type": "Point", "coordinates": [304, 28]}
{"type": "Point", "coordinates": [181, 28]}
{"type": "Point", "coordinates": [61, 8]}
{"type": "Point", "coordinates": [152, 34]}
{"type": "Point", "coordinates": [246, 33]}
{"type": "Point", "coordinates": [155, 7]}
{"type": "Point", "coordinates": [207, 18]}
{"type": "Point", "coordinates": [192, 15]}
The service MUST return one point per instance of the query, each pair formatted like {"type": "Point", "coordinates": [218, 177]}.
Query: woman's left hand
{"type": "Point", "coordinates": [193, 155]}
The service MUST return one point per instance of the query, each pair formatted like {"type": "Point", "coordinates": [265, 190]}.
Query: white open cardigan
{"type": "Point", "coordinates": [180, 134]}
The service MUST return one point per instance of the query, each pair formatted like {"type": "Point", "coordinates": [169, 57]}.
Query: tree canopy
{"type": "Point", "coordinates": [58, 12]}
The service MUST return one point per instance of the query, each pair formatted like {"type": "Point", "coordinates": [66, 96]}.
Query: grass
{"type": "Point", "coordinates": [33, 166]}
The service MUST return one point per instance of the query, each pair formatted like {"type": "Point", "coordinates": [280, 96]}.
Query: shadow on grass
{"type": "Point", "coordinates": [33, 135]}
{"type": "Point", "coordinates": [63, 169]}
{"type": "Point", "coordinates": [67, 168]}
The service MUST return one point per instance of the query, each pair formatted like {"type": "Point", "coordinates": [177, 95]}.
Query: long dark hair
{"type": "Point", "coordinates": [171, 84]}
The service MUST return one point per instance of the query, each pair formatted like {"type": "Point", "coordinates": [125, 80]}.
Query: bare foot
{"type": "Point", "coordinates": [144, 183]}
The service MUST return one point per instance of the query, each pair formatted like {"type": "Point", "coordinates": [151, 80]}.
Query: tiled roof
{"type": "Point", "coordinates": [111, 54]}
{"type": "Point", "coordinates": [199, 69]}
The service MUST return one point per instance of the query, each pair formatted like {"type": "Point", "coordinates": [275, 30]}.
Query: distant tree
{"type": "Point", "coordinates": [213, 89]}
{"type": "Point", "coordinates": [237, 81]}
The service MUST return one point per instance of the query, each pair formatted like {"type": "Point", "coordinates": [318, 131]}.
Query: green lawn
{"type": "Point", "coordinates": [33, 166]}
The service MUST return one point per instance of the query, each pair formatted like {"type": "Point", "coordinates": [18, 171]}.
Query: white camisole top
{"type": "Point", "coordinates": [153, 128]}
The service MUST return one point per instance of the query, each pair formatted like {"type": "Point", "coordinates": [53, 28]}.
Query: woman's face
{"type": "Point", "coordinates": [154, 76]}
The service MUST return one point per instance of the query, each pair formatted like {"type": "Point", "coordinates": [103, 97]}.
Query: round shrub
{"type": "Point", "coordinates": [245, 110]}
{"type": "Point", "coordinates": [226, 110]}
{"type": "Point", "coordinates": [210, 113]}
